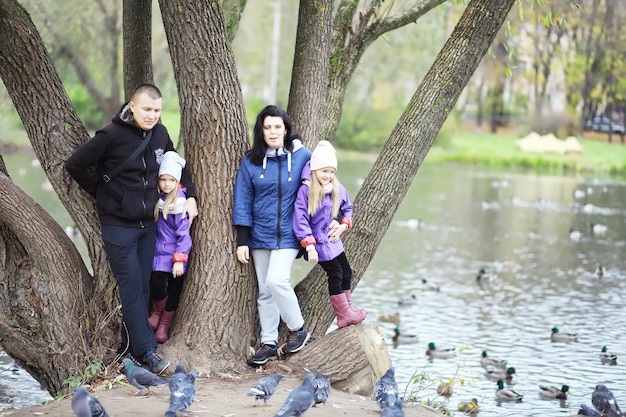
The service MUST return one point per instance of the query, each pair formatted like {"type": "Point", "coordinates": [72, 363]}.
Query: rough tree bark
{"type": "Point", "coordinates": [42, 276]}
{"type": "Point", "coordinates": [215, 137]}
{"type": "Point", "coordinates": [137, 44]}
{"type": "Point", "coordinates": [307, 95]}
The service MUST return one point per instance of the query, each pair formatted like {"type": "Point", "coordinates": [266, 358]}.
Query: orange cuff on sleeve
{"type": "Point", "coordinates": [180, 257]}
{"type": "Point", "coordinates": [310, 240]}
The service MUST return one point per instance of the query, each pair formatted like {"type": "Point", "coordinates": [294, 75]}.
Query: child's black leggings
{"type": "Point", "coordinates": [339, 274]}
{"type": "Point", "coordinates": [163, 284]}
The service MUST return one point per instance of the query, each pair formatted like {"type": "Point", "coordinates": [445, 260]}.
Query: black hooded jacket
{"type": "Point", "coordinates": [128, 200]}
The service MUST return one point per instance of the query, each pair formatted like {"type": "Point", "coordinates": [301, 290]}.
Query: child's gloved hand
{"type": "Point", "coordinates": [312, 256]}
{"type": "Point", "coordinates": [177, 269]}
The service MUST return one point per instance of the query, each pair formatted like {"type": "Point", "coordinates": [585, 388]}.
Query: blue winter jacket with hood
{"type": "Point", "coordinates": [265, 195]}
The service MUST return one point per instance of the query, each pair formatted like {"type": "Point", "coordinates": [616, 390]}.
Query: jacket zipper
{"type": "Point", "coordinates": [145, 184]}
{"type": "Point", "coordinates": [280, 200]}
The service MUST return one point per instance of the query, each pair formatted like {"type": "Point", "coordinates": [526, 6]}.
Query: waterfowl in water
{"type": "Point", "coordinates": [549, 391]}
{"type": "Point", "coordinates": [574, 234]}
{"type": "Point", "coordinates": [408, 301]}
{"type": "Point", "coordinates": [483, 276]}
{"type": "Point", "coordinates": [608, 357]}
{"type": "Point", "coordinates": [558, 336]}
{"type": "Point", "coordinates": [393, 318]}
{"type": "Point", "coordinates": [434, 351]}
{"type": "Point", "coordinates": [599, 271]}
{"type": "Point", "coordinates": [402, 338]}
{"type": "Point", "coordinates": [486, 361]}
{"type": "Point", "coordinates": [445, 388]}
{"type": "Point", "coordinates": [469, 407]}
{"type": "Point", "coordinates": [500, 373]}
{"type": "Point", "coordinates": [429, 285]}
{"type": "Point", "coordinates": [507, 394]}
{"type": "Point", "coordinates": [598, 229]}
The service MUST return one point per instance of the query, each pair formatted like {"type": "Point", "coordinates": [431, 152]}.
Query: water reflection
{"type": "Point", "coordinates": [17, 388]}
{"type": "Point", "coordinates": [519, 233]}
{"type": "Point", "coordinates": [456, 220]}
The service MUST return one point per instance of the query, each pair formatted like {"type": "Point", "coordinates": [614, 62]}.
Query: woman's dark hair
{"type": "Point", "coordinates": [258, 143]}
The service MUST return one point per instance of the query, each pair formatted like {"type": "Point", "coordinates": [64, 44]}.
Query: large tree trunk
{"type": "Point", "coordinates": [137, 42]}
{"type": "Point", "coordinates": [396, 166]}
{"type": "Point", "coordinates": [216, 321]}
{"type": "Point", "coordinates": [308, 92]}
{"type": "Point", "coordinates": [44, 277]}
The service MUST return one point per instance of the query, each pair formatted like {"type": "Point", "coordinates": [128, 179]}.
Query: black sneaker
{"type": "Point", "coordinates": [265, 353]}
{"type": "Point", "coordinates": [155, 363]}
{"type": "Point", "coordinates": [297, 340]}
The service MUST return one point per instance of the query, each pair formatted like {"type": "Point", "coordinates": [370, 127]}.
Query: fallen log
{"type": "Point", "coordinates": [353, 357]}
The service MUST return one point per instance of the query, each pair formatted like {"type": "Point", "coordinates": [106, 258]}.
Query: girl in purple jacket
{"type": "Point", "coordinates": [319, 203]}
{"type": "Point", "coordinates": [173, 244]}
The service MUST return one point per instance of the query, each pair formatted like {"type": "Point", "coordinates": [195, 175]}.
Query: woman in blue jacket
{"type": "Point", "coordinates": [265, 191]}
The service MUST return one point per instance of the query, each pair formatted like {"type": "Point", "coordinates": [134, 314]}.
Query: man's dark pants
{"type": "Point", "coordinates": [130, 252]}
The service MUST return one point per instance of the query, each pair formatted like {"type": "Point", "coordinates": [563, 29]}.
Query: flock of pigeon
{"type": "Point", "coordinates": [181, 385]}
{"type": "Point", "coordinates": [314, 390]}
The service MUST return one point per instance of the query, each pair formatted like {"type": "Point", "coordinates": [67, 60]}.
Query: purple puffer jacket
{"type": "Point", "coordinates": [306, 226]}
{"type": "Point", "coordinates": [173, 241]}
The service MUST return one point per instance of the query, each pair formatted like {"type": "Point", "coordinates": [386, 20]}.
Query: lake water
{"type": "Point", "coordinates": [516, 226]}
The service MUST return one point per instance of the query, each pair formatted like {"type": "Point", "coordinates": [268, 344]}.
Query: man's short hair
{"type": "Point", "coordinates": [149, 89]}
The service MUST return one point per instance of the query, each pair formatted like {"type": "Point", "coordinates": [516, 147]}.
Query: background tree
{"type": "Point", "coordinates": [47, 284]}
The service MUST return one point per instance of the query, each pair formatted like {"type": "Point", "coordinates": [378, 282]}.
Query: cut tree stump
{"type": "Point", "coordinates": [353, 358]}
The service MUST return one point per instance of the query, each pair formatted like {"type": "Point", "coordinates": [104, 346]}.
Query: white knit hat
{"type": "Point", "coordinates": [323, 156]}
{"type": "Point", "coordinates": [172, 164]}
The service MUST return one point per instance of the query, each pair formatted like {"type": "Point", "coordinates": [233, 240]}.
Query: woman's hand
{"type": "Point", "coordinates": [335, 232]}
{"type": "Point", "coordinates": [243, 254]}
{"type": "Point", "coordinates": [190, 208]}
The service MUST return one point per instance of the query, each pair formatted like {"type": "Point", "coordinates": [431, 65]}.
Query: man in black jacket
{"type": "Point", "coordinates": [125, 201]}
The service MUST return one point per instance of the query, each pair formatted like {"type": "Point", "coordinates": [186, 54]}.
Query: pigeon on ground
{"type": "Point", "coordinates": [299, 400]}
{"type": "Point", "coordinates": [394, 410]}
{"type": "Point", "coordinates": [386, 390]}
{"type": "Point", "coordinates": [178, 375]}
{"type": "Point", "coordinates": [321, 388]}
{"type": "Point", "coordinates": [604, 401]}
{"type": "Point", "coordinates": [264, 387]}
{"type": "Point", "coordinates": [141, 378]}
{"type": "Point", "coordinates": [182, 394]}
{"type": "Point", "coordinates": [86, 405]}
{"type": "Point", "coordinates": [585, 410]}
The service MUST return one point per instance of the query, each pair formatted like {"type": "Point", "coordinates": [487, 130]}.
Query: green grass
{"type": "Point", "coordinates": [500, 151]}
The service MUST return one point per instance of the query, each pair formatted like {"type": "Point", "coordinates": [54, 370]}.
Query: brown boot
{"type": "Point", "coordinates": [163, 332]}
{"type": "Point", "coordinates": [345, 315]}
{"type": "Point", "coordinates": [348, 294]}
{"type": "Point", "coordinates": [157, 310]}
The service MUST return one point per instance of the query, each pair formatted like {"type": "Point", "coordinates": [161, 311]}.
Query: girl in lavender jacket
{"type": "Point", "coordinates": [173, 244]}
{"type": "Point", "coordinates": [319, 202]}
